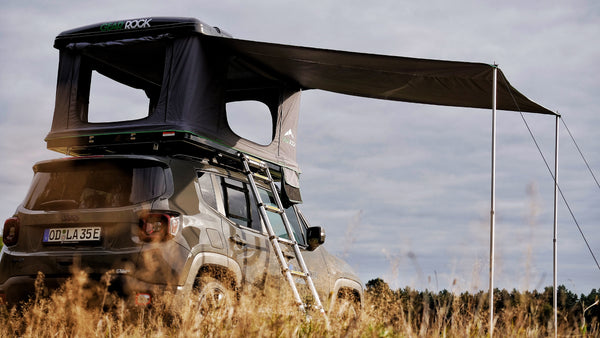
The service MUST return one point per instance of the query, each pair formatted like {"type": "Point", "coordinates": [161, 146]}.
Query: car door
{"type": "Point", "coordinates": [248, 244]}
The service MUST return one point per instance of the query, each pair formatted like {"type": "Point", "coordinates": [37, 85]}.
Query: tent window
{"type": "Point", "coordinates": [112, 101]}
{"type": "Point", "coordinates": [251, 120]}
{"type": "Point", "coordinates": [120, 82]}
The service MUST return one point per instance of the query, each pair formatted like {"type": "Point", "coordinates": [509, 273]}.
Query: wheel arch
{"type": "Point", "coordinates": [216, 265]}
{"type": "Point", "coordinates": [344, 287]}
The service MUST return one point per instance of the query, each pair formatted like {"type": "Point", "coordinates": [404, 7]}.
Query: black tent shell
{"type": "Point", "coordinates": [121, 29]}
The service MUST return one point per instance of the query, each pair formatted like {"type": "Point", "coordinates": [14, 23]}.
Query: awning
{"type": "Point", "coordinates": [448, 83]}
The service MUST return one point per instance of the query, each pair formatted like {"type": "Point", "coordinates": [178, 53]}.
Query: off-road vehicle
{"type": "Point", "coordinates": [160, 198]}
{"type": "Point", "coordinates": [153, 222]}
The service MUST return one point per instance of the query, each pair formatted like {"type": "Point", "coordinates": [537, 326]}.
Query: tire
{"type": "Point", "coordinates": [346, 307]}
{"type": "Point", "coordinates": [214, 296]}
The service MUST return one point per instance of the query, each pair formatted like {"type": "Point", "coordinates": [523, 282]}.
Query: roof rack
{"type": "Point", "coordinates": [168, 142]}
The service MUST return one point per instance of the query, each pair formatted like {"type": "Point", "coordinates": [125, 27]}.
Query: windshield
{"type": "Point", "coordinates": [84, 184]}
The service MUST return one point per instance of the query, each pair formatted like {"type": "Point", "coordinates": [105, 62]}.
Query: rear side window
{"type": "Point", "coordinates": [240, 205]}
{"type": "Point", "coordinates": [85, 184]}
{"type": "Point", "coordinates": [206, 189]}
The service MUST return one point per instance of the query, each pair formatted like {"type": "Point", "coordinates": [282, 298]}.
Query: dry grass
{"type": "Point", "coordinates": [270, 313]}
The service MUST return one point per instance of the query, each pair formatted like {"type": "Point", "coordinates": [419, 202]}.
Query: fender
{"type": "Point", "coordinates": [344, 283]}
{"type": "Point", "coordinates": [210, 258]}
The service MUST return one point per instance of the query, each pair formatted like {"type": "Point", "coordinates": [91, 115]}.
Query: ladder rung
{"type": "Point", "coordinates": [256, 162]}
{"type": "Point", "coordinates": [285, 241]}
{"type": "Point", "coordinates": [272, 208]}
{"type": "Point", "coordinates": [262, 177]}
{"type": "Point", "coordinates": [298, 273]}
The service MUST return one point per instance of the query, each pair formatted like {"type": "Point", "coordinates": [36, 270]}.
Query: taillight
{"type": "Point", "coordinates": [158, 227]}
{"type": "Point", "coordinates": [10, 235]}
{"type": "Point", "coordinates": [143, 299]}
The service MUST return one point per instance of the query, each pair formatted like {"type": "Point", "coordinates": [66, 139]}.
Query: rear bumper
{"type": "Point", "coordinates": [20, 289]}
{"type": "Point", "coordinates": [123, 273]}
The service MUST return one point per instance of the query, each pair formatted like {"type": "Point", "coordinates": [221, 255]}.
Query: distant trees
{"type": "Point", "coordinates": [516, 312]}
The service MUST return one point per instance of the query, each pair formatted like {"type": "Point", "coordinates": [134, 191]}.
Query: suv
{"type": "Point", "coordinates": [154, 193]}
{"type": "Point", "coordinates": [153, 223]}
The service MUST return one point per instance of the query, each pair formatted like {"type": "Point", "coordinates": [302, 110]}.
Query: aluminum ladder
{"type": "Point", "coordinates": [257, 169]}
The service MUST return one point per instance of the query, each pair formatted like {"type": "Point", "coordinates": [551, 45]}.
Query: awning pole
{"type": "Point", "coordinates": [493, 201]}
{"type": "Point", "coordinates": [555, 265]}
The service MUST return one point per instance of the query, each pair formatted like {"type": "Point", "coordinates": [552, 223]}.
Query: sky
{"type": "Point", "coordinates": [403, 190]}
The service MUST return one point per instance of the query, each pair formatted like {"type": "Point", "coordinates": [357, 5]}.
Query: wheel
{"type": "Point", "coordinates": [346, 307]}
{"type": "Point", "coordinates": [214, 296]}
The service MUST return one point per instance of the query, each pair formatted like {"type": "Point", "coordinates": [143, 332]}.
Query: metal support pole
{"type": "Point", "coordinates": [493, 201]}
{"type": "Point", "coordinates": [555, 265]}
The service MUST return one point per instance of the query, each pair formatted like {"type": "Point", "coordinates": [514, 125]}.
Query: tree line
{"type": "Point", "coordinates": [513, 309]}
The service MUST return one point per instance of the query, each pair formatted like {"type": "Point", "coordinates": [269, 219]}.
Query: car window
{"type": "Point", "coordinates": [241, 208]}
{"type": "Point", "coordinates": [239, 203]}
{"type": "Point", "coordinates": [303, 221]}
{"type": "Point", "coordinates": [296, 228]}
{"type": "Point", "coordinates": [206, 189]}
{"type": "Point", "coordinates": [277, 222]}
{"type": "Point", "coordinates": [274, 219]}
{"type": "Point", "coordinates": [98, 183]}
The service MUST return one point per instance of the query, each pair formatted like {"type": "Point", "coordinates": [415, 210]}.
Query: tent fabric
{"type": "Point", "coordinates": [188, 87]}
{"type": "Point", "coordinates": [437, 82]}
{"type": "Point", "coordinates": [190, 75]}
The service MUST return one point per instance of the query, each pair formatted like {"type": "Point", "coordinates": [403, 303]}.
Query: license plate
{"type": "Point", "coordinates": [71, 235]}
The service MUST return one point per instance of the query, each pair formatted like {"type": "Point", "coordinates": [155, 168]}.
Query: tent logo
{"type": "Point", "coordinates": [129, 24]}
{"type": "Point", "coordinates": [112, 26]}
{"type": "Point", "coordinates": [141, 23]}
{"type": "Point", "coordinates": [288, 138]}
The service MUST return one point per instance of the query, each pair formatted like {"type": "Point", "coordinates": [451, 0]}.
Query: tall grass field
{"type": "Point", "coordinates": [70, 312]}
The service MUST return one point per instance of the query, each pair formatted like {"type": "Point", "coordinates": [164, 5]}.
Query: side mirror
{"type": "Point", "coordinates": [315, 236]}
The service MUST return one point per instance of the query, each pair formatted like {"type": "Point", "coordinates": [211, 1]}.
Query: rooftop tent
{"type": "Point", "coordinates": [188, 71]}
{"type": "Point", "coordinates": [186, 79]}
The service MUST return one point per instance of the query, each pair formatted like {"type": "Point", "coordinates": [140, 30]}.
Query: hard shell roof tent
{"type": "Point", "coordinates": [189, 71]}
{"type": "Point", "coordinates": [186, 79]}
